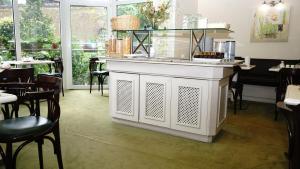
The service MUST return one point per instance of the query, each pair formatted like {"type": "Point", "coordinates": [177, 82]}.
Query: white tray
{"type": "Point", "coordinates": [207, 60]}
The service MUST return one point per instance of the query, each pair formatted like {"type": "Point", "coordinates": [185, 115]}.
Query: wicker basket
{"type": "Point", "coordinates": [125, 22]}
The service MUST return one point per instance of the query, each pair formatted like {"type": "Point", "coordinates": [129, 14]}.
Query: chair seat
{"type": "Point", "coordinates": [281, 105]}
{"type": "Point", "coordinates": [102, 72]}
{"type": "Point", "coordinates": [14, 129]}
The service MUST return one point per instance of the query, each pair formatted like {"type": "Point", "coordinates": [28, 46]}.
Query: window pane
{"type": "Point", "coordinates": [40, 28]}
{"type": "Point", "coordinates": [88, 39]}
{"type": "Point", "coordinates": [7, 39]}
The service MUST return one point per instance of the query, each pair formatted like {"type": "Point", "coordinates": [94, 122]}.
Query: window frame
{"type": "Point", "coordinates": [67, 35]}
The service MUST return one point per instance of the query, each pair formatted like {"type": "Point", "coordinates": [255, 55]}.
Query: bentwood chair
{"type": "Point", "coordinates": [18, 89]}
{"type": "Point", "coordinates": [48, 83]}
{"type": "Point", "coordinates": [292, 115]}
{"type": "Point", "coordinates": [99, 73]}
{"type": "Point", "coordinates": [287, 76]}
{"type": "Point", "coordinates": [236, 87]}
{"type": "Point", "coordinates": [16, 81]}
{"type": "Point", "coordinates": [32, 128]}
{"type": "Point", "coordinates": [58, 71]}
{"type": "Point", "coordinates": [25, 75]}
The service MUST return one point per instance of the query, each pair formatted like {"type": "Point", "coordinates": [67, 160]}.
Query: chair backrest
{"type": "Point", "coordinates": [93, 65]}
{"type": "Point", "coordinates": [287, 76]}
{"type": "Point", "coordinates": [16, 88]}
{"type": "Point", "coordinates": [48, 83]}
{"type": "Point", "coordinates": [53, 106]}
{"type": "Point", "coordinates": [58, 65]}
{"type": "Point", "coordinates": [17, 75]}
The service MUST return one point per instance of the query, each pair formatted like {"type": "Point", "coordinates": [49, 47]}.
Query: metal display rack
{"type": "Point", "coordinates": [194, 37]}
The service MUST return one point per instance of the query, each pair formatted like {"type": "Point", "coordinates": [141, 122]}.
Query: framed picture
{"type": "Point", "coordinates": [271, 23]}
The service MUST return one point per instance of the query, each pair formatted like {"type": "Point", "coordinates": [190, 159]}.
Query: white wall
{"type": "Point", "coordinates": [239, 14]}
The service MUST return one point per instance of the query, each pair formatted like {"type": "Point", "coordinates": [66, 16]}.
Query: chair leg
{"type": "Point", "coordinates": [241, 96]}
{"type": "Point", "coordinates": [15, 109]}
{"type": "Point", "coordinates": [62, 87]}
{"type": "Point", "coordinates": [241, 100]}
{"type": "Point", "coordinates": [58, 148]}
{"type": "Point", "coordinates": [91, 81]}
{"type": "Point", "coordinates": [40, 150]}
{"type": "Point", "coordinates": [235, 96]}
{"type": "Point", "coordinates": [9, 157]}
{"type": "Point", "coordinates": [31, 102]}
{"type": "Point", "coordinates": [6, 111]}
{"type": "Point", "coordinates": [99, 82]}
{"type": "Point", "coordinates": [276, 113]}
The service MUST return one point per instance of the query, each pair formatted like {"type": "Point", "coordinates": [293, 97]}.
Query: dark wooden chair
{"type": "Point", "coordinates": [16, 81]}
{"type": "Point", "coordinates": [58, 71]}
{"type": "Point", "coordinates": [292, 115]}
{"type": "Point", "coordinates": [287, 76]}
{"type": "Point", "coordinates": [99, 73]}
{"type": "Point", "coordinates": [48, 83]}
{"type": "Point", "coordinates": [236, 87]}
{"type": "Point", "coordinates": [32, 128]}
{"type": "Point", "coordinates": [25, 75]}
{"type": "Point", "coordinates": [18, 89]}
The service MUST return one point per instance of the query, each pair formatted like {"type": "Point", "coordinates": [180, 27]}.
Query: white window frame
{"type": "Point", "coordinates": [65, 26]}
{"type": "Point", "coordinates": [66, 38]}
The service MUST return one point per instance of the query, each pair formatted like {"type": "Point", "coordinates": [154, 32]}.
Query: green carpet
{"type": "Point", "coordinates": [90, 140]}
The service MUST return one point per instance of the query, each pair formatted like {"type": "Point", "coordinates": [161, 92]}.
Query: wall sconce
{"type": "Point", "coordinates": [273, 3]}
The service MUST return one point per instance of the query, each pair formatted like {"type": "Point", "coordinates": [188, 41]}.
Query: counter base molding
{"type": "Point", "coordinates": [197, 137]}
{"type": "Point", "coordinates": [170, 98]}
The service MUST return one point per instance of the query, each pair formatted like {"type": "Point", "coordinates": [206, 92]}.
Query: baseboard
{"type": "Point", "coordinates": [259, 99]}
{"type": "Point", "coordinates": [262, 94]}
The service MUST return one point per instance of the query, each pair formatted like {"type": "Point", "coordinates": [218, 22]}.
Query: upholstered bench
{"type": "Point", "coordinates": [260, 75]}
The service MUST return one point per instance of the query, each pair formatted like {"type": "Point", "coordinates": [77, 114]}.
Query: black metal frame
{"type": "Point", "coordinates": [147, 33]}
{"type": "Point", "coordinates": [198, 42]}
{"type": "Point", "coordinates": [141, 41]}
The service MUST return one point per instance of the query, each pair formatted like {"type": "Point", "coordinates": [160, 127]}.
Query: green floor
{"type": "Point", "coordinates": [250, 140]}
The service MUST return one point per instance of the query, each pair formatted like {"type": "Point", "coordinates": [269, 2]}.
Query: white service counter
{"type": "Point", "coordinates": [181, 98]}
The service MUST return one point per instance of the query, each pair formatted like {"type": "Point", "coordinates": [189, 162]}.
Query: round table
{"type": "Point", "coordinates": [6, 98]}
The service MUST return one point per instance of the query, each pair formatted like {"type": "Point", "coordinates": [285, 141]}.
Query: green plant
{"type": "Point", "coordinates": [37, 32]}
{"type": "Point", "coordinates": [5, 2]}
{"type": "Point", "coordinates": [36, 27]}
{"type": "Point", "coordinates": [133, 9]}
{"type": "Point", "coordinates": [6, 37]}
{"type": "Point", "coordinates": [154, 16]}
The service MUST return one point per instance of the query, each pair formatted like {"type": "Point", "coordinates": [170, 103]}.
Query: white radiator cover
{"type": "Point", "coordinates": [188, 100]}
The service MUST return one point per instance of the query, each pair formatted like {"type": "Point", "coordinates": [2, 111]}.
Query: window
{"type": "Point", "coordinates": [7, 37]}
{"type": "Point", "coordinates": [40, 28]}
{"type": "Point", "coordinates": [88, 39]}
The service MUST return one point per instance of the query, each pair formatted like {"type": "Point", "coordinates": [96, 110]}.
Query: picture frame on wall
{"type": "Point", "coordinates": [271, 23]}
